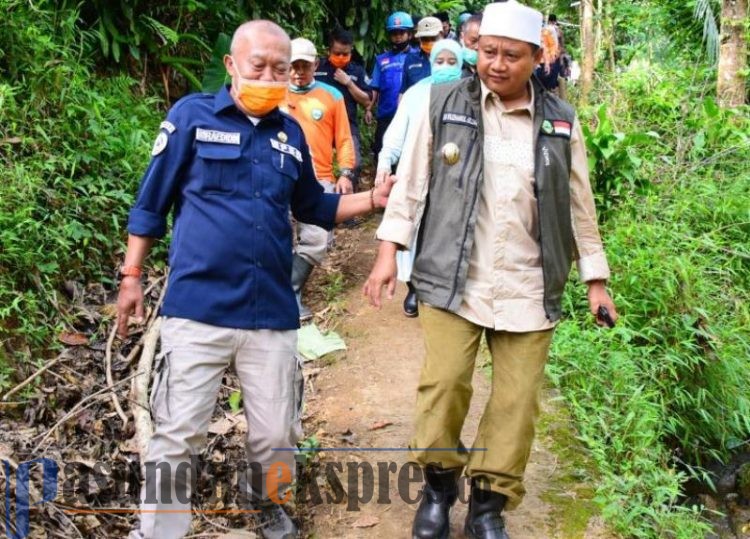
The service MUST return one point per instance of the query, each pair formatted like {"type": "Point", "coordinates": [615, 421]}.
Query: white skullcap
{"type": "Point", "coordinates": [512, 20]}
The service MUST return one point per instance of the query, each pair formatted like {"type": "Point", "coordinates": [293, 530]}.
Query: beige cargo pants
{"type": "Point", "coordinates": [506, 430]}
{"type": "Point", "coordinates": [188, 375]}
{"type": "Point", "coordinates": [313, 241]}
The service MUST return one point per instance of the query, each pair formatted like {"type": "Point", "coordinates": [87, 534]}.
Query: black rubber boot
{"type": "Point", "coordinates": [273, 522]}
{"type": "Point", "coordinates": [301, 270]}
{"type": "Point", "coordinates": [438, 495]}
{"type": "Point", "coordinates": [483, 521]}
{"type": "Point", "coordinates": [411, 307]}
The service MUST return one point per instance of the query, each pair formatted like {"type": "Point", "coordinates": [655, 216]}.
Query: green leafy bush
{"type": "Point", "coordinates": [667, 390]}
{"type": "Point", "coordinates": [73, 146]}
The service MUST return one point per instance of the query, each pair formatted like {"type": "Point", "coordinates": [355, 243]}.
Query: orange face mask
{"type": "Point", "coordinates": [339, 61]}
{"type": "Point", "coordinates": [426, 46]}
{"type": "Point", "coordinates": [260, 97]}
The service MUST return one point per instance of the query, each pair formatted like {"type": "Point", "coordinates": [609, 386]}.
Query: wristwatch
{"type": "Point", "coordinates": [129, 271]}
{"type": "Point", "coordinates": [346, 172]}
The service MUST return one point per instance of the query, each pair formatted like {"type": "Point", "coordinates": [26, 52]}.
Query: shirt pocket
{"type": "Point", "coordinates": [220, 166]}
{"type": "Point", "coordinates": [288, 169]}
{"type": "Point", "coordinates": [286, 163]}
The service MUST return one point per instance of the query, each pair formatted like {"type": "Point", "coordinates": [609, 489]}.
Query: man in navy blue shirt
{"type": "Point", "coordinates": [417, 63]}
{"type": "Point", "coordinates": [349, 78]}
{"type": "Point", "coordinates": [231, 165]}
{"type": "Point", "coordinates": [386, 76]}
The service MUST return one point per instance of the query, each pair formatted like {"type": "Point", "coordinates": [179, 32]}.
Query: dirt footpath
{"type": "Point", "coordinates": [365, 399]}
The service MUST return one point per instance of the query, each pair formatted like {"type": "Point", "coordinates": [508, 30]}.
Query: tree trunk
{"type": "Point", "coordinates": [730, 88]}
{"type": "Point", "coordinates": [587, 48]}
{"type": "Point", "coordinates": [598, 31]}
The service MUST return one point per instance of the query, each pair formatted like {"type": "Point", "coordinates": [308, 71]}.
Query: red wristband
{"type": "Point", "coordinates": [130, 271]}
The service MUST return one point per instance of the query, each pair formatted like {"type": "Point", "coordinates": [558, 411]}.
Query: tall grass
{"type": "Point", "coordinates": [667, 390]}
{"type": "Point", "coordinates": [72, 147]}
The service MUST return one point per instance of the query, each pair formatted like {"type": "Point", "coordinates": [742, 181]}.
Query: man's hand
{"type": "Point", "coordinates": [381, 192]}
{"type": "Point", "coordinates": [381, 176]}
{"type": "Point", "coordinates": [383, 274]}
{"type": "Point", "coordinates": [344, 186]}
{"type": "Point", "coordinates": [341, 77]}
{"type": "Point", "coordinates": [598, 297]}
{"type": "Point", "coordinates": [129, 301]}
{"type": "Point", "coordinates": [368, 116]}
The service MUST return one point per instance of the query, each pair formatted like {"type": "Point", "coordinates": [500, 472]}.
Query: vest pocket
{"type": "Point", "coordinates": [219, 166]}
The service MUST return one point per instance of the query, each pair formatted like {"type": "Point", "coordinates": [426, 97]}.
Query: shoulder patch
{"type": "Point", "coordinates": [460, 119]}
{"type": "Point", "coordinates": [159, 144]}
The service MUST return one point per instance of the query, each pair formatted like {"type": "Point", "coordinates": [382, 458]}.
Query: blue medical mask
{"type": "Point", "coordinates": [470, 56]}
{"type": "Point", "coordinates": [445, 73]}
{"type": "Point", "coordinates": [301, 89]}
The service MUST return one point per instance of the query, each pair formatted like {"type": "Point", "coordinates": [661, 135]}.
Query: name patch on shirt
{"type": "Point", "coordinates": [219, 137]}
{"type": "Point", "coordinates": [460, 119]}
{"type": "Point", "coordinates": [557, 128]}
{"type": "Point", "coordinates": [415, 66]}
{"type": "Point", "coordinates": [287, 149]}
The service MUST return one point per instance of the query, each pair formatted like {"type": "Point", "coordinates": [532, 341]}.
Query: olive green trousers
{"type": "Point", "coordinates": [501, 449]}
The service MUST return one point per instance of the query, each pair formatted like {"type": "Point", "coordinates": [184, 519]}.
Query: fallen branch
{"type": "Point", "coordinates": [153, 285]}
{"type": "Point", "coordinates": [139, 406]}
{"type": "Point", "coordinates": [39, 371]}
{"type": "Point", "coordinates": [154, 313]}
{"type": "Point", "coordinates": [110, 379]}
{"type": "Point", "coordinates": [76, 409]}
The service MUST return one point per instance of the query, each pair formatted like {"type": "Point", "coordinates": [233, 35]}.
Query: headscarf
{"type": "Point", "coordinates": [446, 72]}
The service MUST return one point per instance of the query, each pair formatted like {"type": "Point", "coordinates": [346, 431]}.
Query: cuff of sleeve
{"type": "Point", "coordinates": [593, 267]}
{"type": "Point", "coordinates": [396, 231]}
{"type": "Point", "coordinates": [325, 211]}
{"type": "Point", "coordinates": [146, 223]}
{"type": "Point", "coordinates": [384, 164]}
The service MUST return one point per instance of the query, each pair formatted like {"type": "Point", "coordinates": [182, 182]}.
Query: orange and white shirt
{"type": "Point", "coordinates": [321, 111]}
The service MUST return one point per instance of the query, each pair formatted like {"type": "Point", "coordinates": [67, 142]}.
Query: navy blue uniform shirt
{"type": "Point", "coordinates": [416, 67]}
{"type": "Point", "coordinates": [231, 184]}
{"type": "Point", "coordinates": [386, 79]}
{"type": "Point", "coordinates": [357, 73]}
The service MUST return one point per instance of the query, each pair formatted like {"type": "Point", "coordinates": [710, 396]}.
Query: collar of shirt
{"type": "Point", "coordinates": [490, 99]}
{"type": "Point", "coordinates": [303, 90]}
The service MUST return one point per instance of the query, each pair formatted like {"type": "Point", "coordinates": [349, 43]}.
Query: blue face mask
{"type": "Point", "coordinates": [470, 56]}
{"type": "Point", "coordinates": [300, 89]}
{"type": "Point", "coordinates": [445, 73]}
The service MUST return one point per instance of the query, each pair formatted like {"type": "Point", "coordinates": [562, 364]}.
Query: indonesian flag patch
{"type": "Point", "coordinates": [557, 128]}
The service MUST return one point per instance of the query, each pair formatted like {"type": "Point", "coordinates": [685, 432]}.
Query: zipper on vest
{"type": "Point", "coordinates": [541, 250]}
{"type": "Point", "coordinates": [466, 231]}
{"type": "Point", "coordinates": [466, 161]}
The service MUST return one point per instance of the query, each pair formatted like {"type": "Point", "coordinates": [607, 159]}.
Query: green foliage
{"type": "Point", "coordinates": [173, 36]}
{"type": "Point", "coordinates": [72, 147]}
{"type": "Point", "coordinates": [308, 450]}
{"type": "Point", "coordinates": [235, 401]}
{"type": "Point", "coordinates": [667, 390]}
{"type": "Point", "coordinates": [704, 12]}
{"type": "Point", "coordinates": [334, 286]}
{"type": "Point", "coordinates": [215, 74]}
{"type": "Point", "coordinates": [613, 160]}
